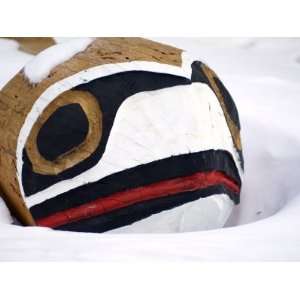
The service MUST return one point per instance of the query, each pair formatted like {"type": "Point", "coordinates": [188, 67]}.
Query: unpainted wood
{"type": "Point", "coordinates": [34, 45]}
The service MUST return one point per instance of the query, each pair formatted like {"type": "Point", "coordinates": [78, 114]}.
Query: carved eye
{"type": "Point", "coordinates": [54, 144]}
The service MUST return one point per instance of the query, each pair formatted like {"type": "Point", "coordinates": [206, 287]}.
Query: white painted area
{"type": "Point", "coordinates": [42, 64]}
{"type": "Point", "coordinates": [263, 77]}
{"type": "Point", "coordinates": [154, 125]}
{"type": "Point", "coordinates": [203, 214]}
{"type": "Point", "coordinates": [85, 76]}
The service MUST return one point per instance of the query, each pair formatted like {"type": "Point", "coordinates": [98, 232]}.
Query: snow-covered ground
{"type": "Point", "coordinates": [263, 76]}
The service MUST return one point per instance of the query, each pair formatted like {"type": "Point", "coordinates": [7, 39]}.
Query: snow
{"type": "Point", "coordinates": [263, 77]}
{"type": "Point", "coordinates": [42, 64]}
{"type": "Point", "coordinates": [5, 217]}
{"type": "Point", "coordinates": [84, 76]}
{"type": "Point", "coordinates": [11, 60]}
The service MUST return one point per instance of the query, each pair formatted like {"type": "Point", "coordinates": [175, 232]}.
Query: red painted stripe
{"type": "Point", "coordinates": [118, 200]}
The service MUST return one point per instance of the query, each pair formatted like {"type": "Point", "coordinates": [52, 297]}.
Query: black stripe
{"type": "Point", "coordinates": [156, 171]}
{"type": "Point", "coordinates": [110, 91]}
{"type": "Point", "coordinates": [199, 76]}
{"type": "Point", "coordinates": [136, 212]}
{"type": "Point", "coordinates": [241, 158]}
{"type": "Point", "coordinates": [229, 103]}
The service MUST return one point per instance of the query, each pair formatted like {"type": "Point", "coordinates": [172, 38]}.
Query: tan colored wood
{"type": "Point", "coordinates": [19, 95]}
{"type": "Point", "coordinates": [34, 45]}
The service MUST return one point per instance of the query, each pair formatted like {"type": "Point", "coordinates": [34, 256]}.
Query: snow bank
{"type": "Point", "coordinates": [42, 64]}
{"type": "Point", "coordinates": [5, 217]}
{"type": "Point", "coordinates": [11, 60]}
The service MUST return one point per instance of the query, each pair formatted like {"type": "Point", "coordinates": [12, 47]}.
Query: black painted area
{"type": "Point", "coordinates": [230, 105]}
{"type": "Point", "coordinates": [199, 76]}
{"type": "Point", "coordinates": [241, 158]}
{"type": "Point", "coordinates": [128, 215]}
{"type": "Point", "coordinates": [110, 92]}
{"type": "Point", "coordinates": [156, 171]}
{"type": "Point", "coordinates": [65, 129]}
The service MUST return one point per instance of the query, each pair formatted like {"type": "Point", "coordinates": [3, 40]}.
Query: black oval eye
{"type": "Point", "coordinates": [69, 153]}
{"type": "Point", "coordinates": [65, 129]}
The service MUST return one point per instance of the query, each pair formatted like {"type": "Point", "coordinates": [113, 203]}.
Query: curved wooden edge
{"type": "Point", "coordinates": [18, 96]}
{"type": "Point", "coordinates": [17, 209]}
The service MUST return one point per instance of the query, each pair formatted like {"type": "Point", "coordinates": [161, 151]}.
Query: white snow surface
{"type": "Point", "coordinates": [263, 77]}
{"type": "Point", "coordinates": [42, 64]}
{"type": "Point", "coordinates": [11, 60]}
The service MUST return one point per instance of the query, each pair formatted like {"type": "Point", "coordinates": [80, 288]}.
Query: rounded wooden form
{"type": "Point", "coordinates": [19, 95]}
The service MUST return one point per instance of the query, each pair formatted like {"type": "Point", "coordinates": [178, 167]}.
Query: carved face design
{"type": "Point", "coordinates": [135, 145]}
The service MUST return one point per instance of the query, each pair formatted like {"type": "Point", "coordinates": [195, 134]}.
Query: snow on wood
{"type": "Point", "coordinates": [12, 60]}
{"type": "Point", "coordinates": [42, 64]}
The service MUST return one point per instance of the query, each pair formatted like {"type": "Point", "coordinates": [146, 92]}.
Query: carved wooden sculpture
{"type": "Point", "coordinates": [119, 133]}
